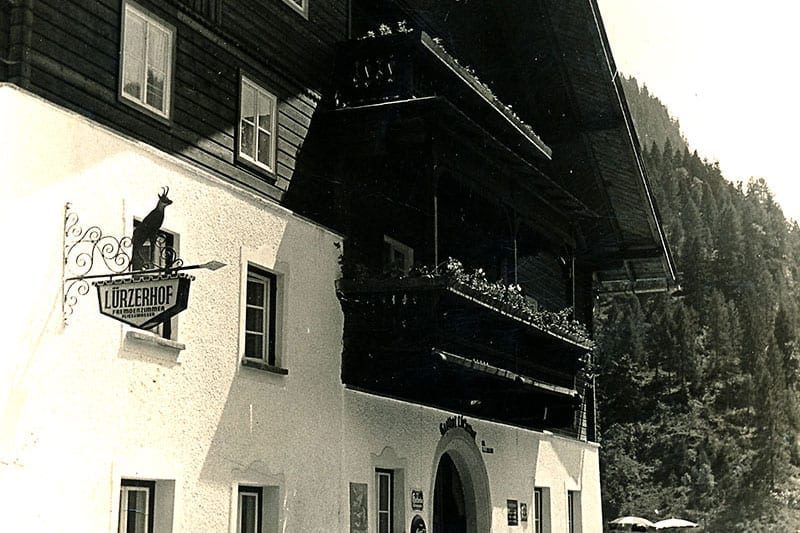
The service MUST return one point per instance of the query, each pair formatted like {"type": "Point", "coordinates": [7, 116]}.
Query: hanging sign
{"type": "Point", "coordinates": [146, 301]}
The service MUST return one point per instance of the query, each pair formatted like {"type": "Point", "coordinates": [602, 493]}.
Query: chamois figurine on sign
{"type": "Point", "coordinates": [147, 232]}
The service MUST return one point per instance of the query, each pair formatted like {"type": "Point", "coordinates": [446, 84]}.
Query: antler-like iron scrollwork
{"type": "Point", "coordinates": [164, 257]}
{"type": "Point", "coordinates": [88, 253]}
{"type": "Point", "coordinates": [86, 249]}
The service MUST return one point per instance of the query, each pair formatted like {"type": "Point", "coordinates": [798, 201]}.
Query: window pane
{"type": "Point", "coordinates": [248, 513]}
{"type": "Point", "coordinates": [264, 148]}
{"type": "Point", "coordinates": [248, 103]}
{"type": "Point", "coordinates": [157, 49]}
{"type": "Point", "coordinates": [255, 292]}
{"type": "Point", "coordinates": [254, 319]}
{"type": "Point", "coordinates": [155, 89]}
{"type": "Point", "coordinates": [264, 112]}
{"type": "Point", "coordinates": [133, 51]}
{"type": "Point", "coordinates": [383, 523]}
{"type": "Point", "coordinates": [254, 345]}
{"type": "Point", "coordinates": [157, 58]}
{"type": "Point", "coordinates": [247, 141]}
{"type": "Point", "coordinates": [247, 129]}
{"type": "Point", "coordinates": [383, 493]}
{"type": "Point", "coordinates": [137, 511]}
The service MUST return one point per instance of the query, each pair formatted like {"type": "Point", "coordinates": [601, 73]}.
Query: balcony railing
{"type": "Point", "coordinates": [411, 65]}
{"type": "Point", "coordinates": [442, 342]}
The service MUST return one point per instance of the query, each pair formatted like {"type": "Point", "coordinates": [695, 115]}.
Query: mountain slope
{"type": "Point", "coordinates": [699, 406]}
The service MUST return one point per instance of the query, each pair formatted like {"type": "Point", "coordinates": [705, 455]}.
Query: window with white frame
{"type": "Point", "coordinates": [301, 6]}
{"type": "Point", "coordinates": [146, 60]}
{"type": "Point", "coordinates": [136, 506]}
{"type": "Point", "coordinates": [541, 510]}
{"type": "Point", "coordinates": [573, 511]}
{"type": "Point", "coordinates": [384, 499]}
{"type": "Point", "coordinates": [250, 509]}
{"type": "Point", "coordinates": [257, 125]}
{"type": "Point", "coordinates": [398, 258]}
{"type": "Point", "coordinates": [259, 330]}
{"type": "Point", "coordinates": [537, 510]}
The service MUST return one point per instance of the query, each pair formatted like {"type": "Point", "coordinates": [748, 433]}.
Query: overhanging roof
{"type": "Point", "coordinates": [551, 60]}
{"type": "Point", "coordinates": [597, 153]}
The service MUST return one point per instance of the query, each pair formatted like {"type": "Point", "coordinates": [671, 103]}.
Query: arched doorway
{"type": "Point", "coordinates": [449, 512]}
{"type": "Point", "coordinates": [461, 498]}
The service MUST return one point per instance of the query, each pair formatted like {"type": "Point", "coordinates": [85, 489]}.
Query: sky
{"type": "Point", "coordinates": [729, 71]}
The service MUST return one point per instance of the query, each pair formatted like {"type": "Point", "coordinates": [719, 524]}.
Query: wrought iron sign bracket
{"type": "Point", "coordinates": [91, 254]}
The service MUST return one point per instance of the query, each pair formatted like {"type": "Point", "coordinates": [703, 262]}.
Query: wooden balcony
{"type": "Point", "coordinates": [411, 66]}
{"type": "Point", "coordinates": [442, 343]}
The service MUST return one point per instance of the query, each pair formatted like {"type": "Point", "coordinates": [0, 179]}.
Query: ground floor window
{"type": "Point", "coordinates": [251, 502]}
{"type": "Point", "coordinates": [136, 506]}
{"type": "Point", "coordinates": [573, 502]}
{"type": "Point", "coordinates": [384, 497]}
{"type": "Point", "coordinates": [537, 510]}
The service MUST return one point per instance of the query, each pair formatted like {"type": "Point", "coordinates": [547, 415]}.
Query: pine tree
{"type": "Point", "coordinates": [699, 393]}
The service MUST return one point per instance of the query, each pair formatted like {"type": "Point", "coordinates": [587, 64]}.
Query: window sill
{"type": "Point", "coordinates": [263, 173]}
{"type": "Point", "coordinates": [152, 339]}
{"type": "Point", "coordinates": [259, 365]}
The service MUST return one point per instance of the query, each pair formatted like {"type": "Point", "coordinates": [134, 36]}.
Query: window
{"type": "Point", "coordinates": [541, 510]}
{"type": "Point", "coordinates": [301, 6]}
{"type": "Point", "coordinates": [136, 506]}
{"type": "Point", "coordinates": [251, 508]}
{"type": "Point", "coordinates": [385, 510]}
{"type": "Point", "coordinates": [573, 511]}
{"type": "Point", "coordinates": [537, 510]}
{"type": "Point", "coordinates": [397, 257]}
{"type": "Point", "coordinates": [146, 65]}
{"type": "Point", "coordinates": [257, 125]}
{"type": "Point", "coordinates": [259, 333]}
{"type": "Point", "coordinates": [160, 254]}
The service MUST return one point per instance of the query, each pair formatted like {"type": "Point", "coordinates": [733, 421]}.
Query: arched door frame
{"type": "Point", "coordinates": [462, 450]}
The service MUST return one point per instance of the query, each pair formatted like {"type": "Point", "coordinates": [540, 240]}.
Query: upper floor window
{"type": "Point", "coordinates": [301, 6]}
{"type": "Point", "coordinates": [257, 125]}
{"type": "Point", "coordinates": [398, 258]}
{"type": "Point", "coordinates": [136, 506]}
{"type": "Point", "coordinates": [146, 62]}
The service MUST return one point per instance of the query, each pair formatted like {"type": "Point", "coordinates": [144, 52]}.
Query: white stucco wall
{"type": "Point", "coordinates": [84, 405]}
{"type": "Point", "coordinates": [521, 460]}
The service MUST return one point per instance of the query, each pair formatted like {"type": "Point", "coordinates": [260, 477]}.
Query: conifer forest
{"type": "Point", "coordinates": [698, 390]}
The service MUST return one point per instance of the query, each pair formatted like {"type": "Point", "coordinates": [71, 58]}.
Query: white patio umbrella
{"type": "Point", "coordinates": [635, 521]}
{"type": "Point", "coordinates": [675, 523]}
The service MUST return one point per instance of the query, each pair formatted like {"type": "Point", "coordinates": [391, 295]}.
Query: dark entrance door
{"type": "Point", "coordinates": [449, 508]}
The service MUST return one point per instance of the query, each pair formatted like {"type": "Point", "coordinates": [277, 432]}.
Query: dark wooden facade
{"type": "Point", "coordinates": [68, 52]}
{"type": "Point", "coordinates": [426, 155]}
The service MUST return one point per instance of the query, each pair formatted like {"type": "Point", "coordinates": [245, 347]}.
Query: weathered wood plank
{"type": "Point", "coordinates": [83, 18]}
{"type": "Point", "coordinates": [49, 80]}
